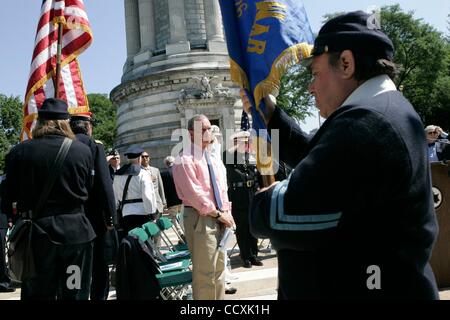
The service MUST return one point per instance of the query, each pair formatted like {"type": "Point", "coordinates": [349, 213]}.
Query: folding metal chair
{"type": "Point", "coordinates": [268, 247]}
{"type": "Point", "coordinates": [165, 224]}
{"type": "Point", "coordinates": [153, 230]}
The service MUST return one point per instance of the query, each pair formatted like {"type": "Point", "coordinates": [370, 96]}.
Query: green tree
{"type": "Point", "coordinates": [105, 115]}
{"type": "Point", "coordinates": [294, 98]}
{"type": "Point", "coordinates": [10, 125]}
{"type": "Point", "coordinates": [423, 55]}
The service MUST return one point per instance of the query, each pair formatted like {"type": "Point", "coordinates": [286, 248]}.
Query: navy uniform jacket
{"type": "Point", "coordinates": [100, 207]}
{"type": "Point", "coordinates": [240, 172]}
{"type": "Point", "coordinates": [27, 167]}
{"type": "Point", "coordinates": [359, 196]}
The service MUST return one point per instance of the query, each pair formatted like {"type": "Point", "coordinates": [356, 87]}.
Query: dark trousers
{"type": "Point", "coordinates": [248, 245]}
{"type": "Point", "coordinates": [100, 270]}
{"type": "Point", "coordinates": [63, 272]}
{"type": "Point", "coordinates": [133, 221]}
{"type": "Point", "coordinates": [4, 278]}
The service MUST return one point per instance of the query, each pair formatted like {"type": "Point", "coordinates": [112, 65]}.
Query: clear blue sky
{"type": "Point", "coordinates": [102, 62]}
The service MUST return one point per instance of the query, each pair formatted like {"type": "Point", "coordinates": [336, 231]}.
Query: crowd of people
{"type": "Point", "coordinates": [357, 207]}
{"type": "Point", "coordinates": [94, 196]}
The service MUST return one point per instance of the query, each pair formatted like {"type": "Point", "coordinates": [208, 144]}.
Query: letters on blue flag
{"type": "Point", "coordinates": [264, 38]}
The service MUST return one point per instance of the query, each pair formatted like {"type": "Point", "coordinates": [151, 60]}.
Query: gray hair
{"type": "Point", "coordinates": [196, 117]}
{"type": "Point", "coordinates": [169, 160]}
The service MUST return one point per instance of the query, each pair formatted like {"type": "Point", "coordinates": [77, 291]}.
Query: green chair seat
{"type": "Point", "coordinates": [181, 247]}
{"type": "Point", "coordinates": [139, 233]}
{"type": "Point", "coordinates": [174, 278]}
{"type": "Point", "coordinates": [151, 228]}
{"type": "Point", "coordinates": [164, 223]}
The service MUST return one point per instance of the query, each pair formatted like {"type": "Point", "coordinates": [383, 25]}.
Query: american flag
{"type": "Point", "coordinates": [77, 36]}
{"type": "Point", "coordinates": [245, 123]}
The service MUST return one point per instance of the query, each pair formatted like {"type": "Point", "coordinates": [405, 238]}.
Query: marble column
{"type": "Point", "coordinates": [178, 42]}
{"type": "Point", "coordinates": [213, 25]}
{"type": "Point", "coordinates": [147, 25]}
{"type": "Point", "coordinates": [132, 27]}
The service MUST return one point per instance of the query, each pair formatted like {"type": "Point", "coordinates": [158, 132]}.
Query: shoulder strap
{"type": "Point", "coordinates": [121, 202]}
{"type": "Point", "coordinates": [57, 165]}
{"type": "Point", "coordinates": [125, 190]}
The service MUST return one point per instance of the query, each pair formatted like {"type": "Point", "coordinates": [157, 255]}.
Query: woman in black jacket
{"type": "Point", "coordinates": [62, 246]}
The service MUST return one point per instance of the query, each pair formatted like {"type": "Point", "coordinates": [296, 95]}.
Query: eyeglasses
{"type": "Point", "coordinates": [145, 156]}
{"type": "Point", "coordinates": [433, 132]}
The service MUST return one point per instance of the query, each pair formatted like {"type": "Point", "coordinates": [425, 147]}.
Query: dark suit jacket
{"type": "Point", "coordinates": [28, 165]}
{"type": "Point", "coordinates": [169, 188]}
{"type": "Point", "coordinates": [360, 196]}
{"type": "Point", "coordinates": [100, 207]}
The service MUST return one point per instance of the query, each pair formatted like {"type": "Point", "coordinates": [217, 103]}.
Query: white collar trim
{"type": "Point", "coordinates": [370, 89]}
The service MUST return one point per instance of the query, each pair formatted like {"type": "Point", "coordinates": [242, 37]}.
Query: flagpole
{"type": "Point", "coordinates": [58, 60]}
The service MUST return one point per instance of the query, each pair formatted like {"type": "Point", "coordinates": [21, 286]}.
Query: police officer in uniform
{"type": "Point", "coordinates": [100, 207]}
{"type": "Point", "coordinates": [242, 184]}
{"type": "Point", "coordinates": [113, 159]}
{"type": "Point", "coordinates": [64, 239]}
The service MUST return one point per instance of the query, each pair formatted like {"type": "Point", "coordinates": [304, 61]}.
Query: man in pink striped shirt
{"type": "Point", "coordinates": [201, 186]}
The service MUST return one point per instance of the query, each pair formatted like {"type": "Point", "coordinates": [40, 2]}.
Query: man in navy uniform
{"type": "Point", "coordinates": [100, 208]}
{"type": "Point", "coordinates": [139, 202]}
{"type": "Point", "coordinates": [113, 159]}
{"type": "Point", "coordinates": [242, 184]}
{"type": "Point", "coordinates": [356, 218]}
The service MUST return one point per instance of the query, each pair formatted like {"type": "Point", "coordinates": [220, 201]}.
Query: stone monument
{"type": "Point", "coordinates": [177, 66]}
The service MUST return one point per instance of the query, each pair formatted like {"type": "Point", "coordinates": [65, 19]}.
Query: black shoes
{"type": "Point", "coordinates": [230, 290]}
{"type": "Point", "coordinates": [248, 263]}
{"type": "Point", "coordinates": [256, 262]}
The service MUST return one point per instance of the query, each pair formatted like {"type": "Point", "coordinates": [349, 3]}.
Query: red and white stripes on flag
{"type": "Point", "coordinates": [77, 36]}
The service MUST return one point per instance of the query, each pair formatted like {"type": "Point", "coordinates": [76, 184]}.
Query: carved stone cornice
{"type": "Point", "coordinates": [159, 83]}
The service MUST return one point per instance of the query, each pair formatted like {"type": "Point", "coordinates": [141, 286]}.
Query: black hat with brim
{"type": "Point", "coordinates": [53, 109]}
{"type": "Point", "coordinates": [356, 31]}
{"type": "Point", "coordinates": [133, 152]}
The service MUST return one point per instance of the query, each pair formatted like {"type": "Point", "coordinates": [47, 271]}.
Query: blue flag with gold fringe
{"type": "Point", "coordinates": [264, 38]}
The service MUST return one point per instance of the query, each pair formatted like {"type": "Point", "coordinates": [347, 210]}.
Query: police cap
{"type": "Point", "coordinates": [114, 153]}
{"type": "Point", "coordinates": [240, 135]}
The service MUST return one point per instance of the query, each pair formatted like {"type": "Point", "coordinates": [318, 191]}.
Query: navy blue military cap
{"type": "Point", "coordinates": [53, 109]}
{"type": "Point", "coordinates": [133, 152]}
{"type": "Point", "coordinates": [114, 152]}
{"type": "Point", "coordinates": [356, 31]}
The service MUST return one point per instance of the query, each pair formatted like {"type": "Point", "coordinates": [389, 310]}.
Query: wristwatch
{"type": "Point", "coordinates": [219, 214]}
